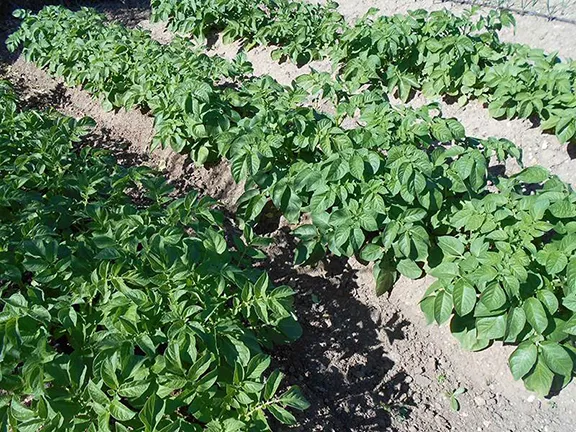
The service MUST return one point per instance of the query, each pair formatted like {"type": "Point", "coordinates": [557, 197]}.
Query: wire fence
{"type": "Point", "coordinates": [560, 10]}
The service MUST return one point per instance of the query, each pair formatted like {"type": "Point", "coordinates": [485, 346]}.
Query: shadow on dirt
{"type": "Point", "coordinates": [340, 361]}
{"type": "Point", "coordinates": [103, 138]}
{"type": "Point", "coordinates": [43, 100]}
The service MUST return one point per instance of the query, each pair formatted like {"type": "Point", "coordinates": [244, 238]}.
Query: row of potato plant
{"type": "Point", "coordinates": [124, 308]}
{"type": "Point", "coordinates": [437, 52]}
{"type": "Point", "coordinates": [388, 191]}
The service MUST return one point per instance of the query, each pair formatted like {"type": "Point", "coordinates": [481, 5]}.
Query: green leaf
{"type": "Point", "coordinates": [515, 324]}
{"type": "Point", "coordinates": [464, 297]}
{"type": "Point", "coordinates": [357, 166]}
{"type": "Point", "coordinates": [441, 132]}
{"type": "Point", "coordinates": [557, 358]}
{"type": "Point", "coordinates": [493, 297]}
{"type": "Point", "coordinates": [549, 300]}
{"type": "Point", "coordinates": [409, 269]}
{"type": "Point", "coordinates": [385, 277]}
{"type": "Point", "coordinates": [534, 174]}
{"type": "Point", "coordinates": [282, 415]}
{"type": "Point", "coordinates": [451, 246]}
{"type": "Point", "coordinates": [293, 398]}
{"type": "Point", "coordinates": [491, 327]}
{"type": "Point", "coordinates": [120, 411]}
{"type": "Point", "coordinates": [442, 307]}
{"type": "Point", "coordinates": [96, 394]}
{"type": "Point", "coordinates": [571, 276]}
{"type": "Point", "coordinates": [523, 359]}
{"type": "Point", "coordinates": [446, 270]}
{"type": "Point", "coordinates": [272, 384]}
{"type": "Point", "coordinates": [371, 252]}
{"type": "Point", "coordinates": [535, 314]}
{"type": "Point", "coordinates": [556, 261]}
{"type": "Point", "coordinates": [427, 307]}
{"type": "Point", "coordinates": [133, 389]}
{"type": "Point", "coordinates": [152, 413]}
{"type": "Point", "coordinates": [540, 379]}
{"type": "Point", "coordinates": [565, 130]}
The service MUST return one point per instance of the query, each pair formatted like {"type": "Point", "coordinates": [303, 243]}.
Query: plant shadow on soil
{"type": "Point", "coordinates": [340, 361]}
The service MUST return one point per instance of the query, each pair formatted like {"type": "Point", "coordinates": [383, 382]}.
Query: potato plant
{"type": "Point", "coordinates": [122, 307]}
{"type": "Point", "coordinates": [126, 68]}
{"type": "Point", "coordinates": [437, 52]}
{"type": "Point", "coordinates": [298, 30]}
{"type": "Point", "coordinates": [403, 188]}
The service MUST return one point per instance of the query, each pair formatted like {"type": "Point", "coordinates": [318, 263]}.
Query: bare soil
{"type": "Point", "coordinates": [365, 363]}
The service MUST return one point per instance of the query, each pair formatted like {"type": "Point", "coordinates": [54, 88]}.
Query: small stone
{"type": "Point", "coordinates": [544, 146]}
{"type": "Point", "coordinates": [422, 381]}
{"type": "Point", "coordinates": [486, 423]}
{"type": "Point", "coordinates": [479, 401]}
{"type": "Point", "coordinates": [531, 398]}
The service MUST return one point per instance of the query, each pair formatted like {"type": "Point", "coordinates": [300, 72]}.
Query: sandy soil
{"type": "Point", "coordinates": [365, 363]}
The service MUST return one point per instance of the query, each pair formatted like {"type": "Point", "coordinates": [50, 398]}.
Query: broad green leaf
{"type": "Point", "coordinates": [96, 394]}
{"type": "Point", "coordinates": [451, 245]}
{"type": "Point", "coordinates": [409, 269]}
{"type": "Point", "coordinates": [540, 379]}
{"type": "Point", "coordinates": [557, 358]}
{"type": "Point", "coordinates": [535, 314]}
{"type": "Point", "coordinates": [371, 252]}
{"type": "Point", "coordinates": [556, 262]}
{"type": "Point", "coordinates": [523, 359]}
{"type": "Point", "coordinates": [534, 174]}
{"type": "Point", "coordinates": [357, 166]}
{"type": "Point", "coordinates": [427, 307]}
{"type": "Point", "coordinates": [120, 411]}
{"type": "Point", "coordinates": [446, 270]}
{"type": "Point", "coordinates": [464, 297]}
{"type": "Point", "coordinates": [293, 398]}
{"type": "Point", "coordinates": [272, 384]}
{"type": "Point", "coordinates": [152, 412]}
{"type": "Point", "coordinates": [442, 307]}
{"type": "Point", "coordinates": [493, 327]}
{"type": "Point", "coordinates": [385, 277]}
{"type": "Point", "coordinates": [571, 276]}
{"type": "Point", "coordinates": [515, 323]}
{"type": "Point", "coordinates": [493, 297]}
{"type": "Point", "coordinates": [282, 415]}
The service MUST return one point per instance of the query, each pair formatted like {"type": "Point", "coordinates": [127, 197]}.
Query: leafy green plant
{"type": "Point", "coordinates": [513, 282]}
{"type": "Point", "coordinates": [298, 30]}
{"type": "Point", "coordinates": [126, 68]}
{"type": "Point", "coordinates": [402, 188]}
{"type": "Point", "coordinates": [122, 307]}
{"type": "Point", "coordinates": [437, 52]}
{"type": "Point", "coordinates": [453, 397]}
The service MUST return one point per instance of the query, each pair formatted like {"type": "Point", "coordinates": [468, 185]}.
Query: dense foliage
{"type": "Point", "coordinates": [437, 52]}
{"type": "Point", "coordinates": [123, 308]}
{"type": "Point", "coordinates": [405, 189]}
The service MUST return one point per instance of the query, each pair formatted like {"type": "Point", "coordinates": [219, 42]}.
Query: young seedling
{"type": "Point", "coordinates": [453, 397]}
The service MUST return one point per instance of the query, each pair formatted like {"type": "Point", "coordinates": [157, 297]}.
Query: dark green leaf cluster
{"type": "Point", "coordinates": [127, 68]}
{"type": "Point", "coordinates": [506, 271]}
{"type": "Point", "coordinates": [438, 52]}
{"type": "Point", "coordinates": [397, 190]}
{"type": "Point", "coordinates": [123, 308]}
{"type": "Point", "coordinates": [298, 30]}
